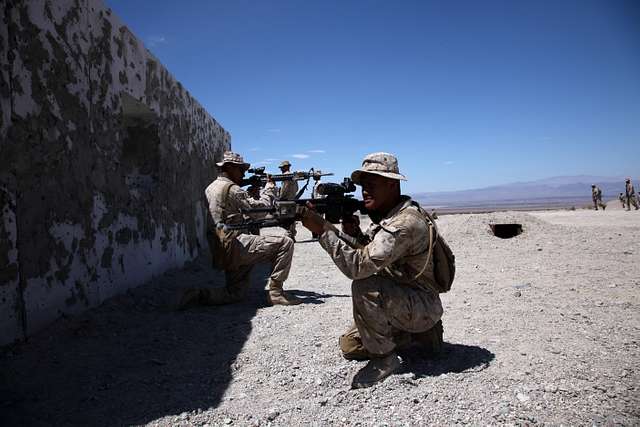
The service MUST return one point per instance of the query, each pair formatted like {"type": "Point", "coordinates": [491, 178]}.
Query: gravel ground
{"type": "Point", "coordinates": [543, 328]}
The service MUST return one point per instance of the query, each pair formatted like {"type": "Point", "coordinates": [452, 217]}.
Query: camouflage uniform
{"type": "Point", "coordinates": [393, 291]}
{"type": "Point", "coordinates": [630, 195]}
{"type": "Point", "coordinates": [226, 200]}
{"type": "Point", "coordinates": [288, 191]}
{"type": "Point", "coordinates": [596, 196]}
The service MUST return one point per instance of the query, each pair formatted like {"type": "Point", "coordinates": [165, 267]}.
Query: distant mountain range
{"type": "Point", "coordinates": [570, 189]}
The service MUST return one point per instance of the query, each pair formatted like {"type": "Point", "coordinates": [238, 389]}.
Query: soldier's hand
{"type": "Point", "coordinates": [351, 226]}
{"type": "Point", "coordinates": [312, 221]}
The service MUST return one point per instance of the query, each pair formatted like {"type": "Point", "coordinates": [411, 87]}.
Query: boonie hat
{"type": "Point", "coordinates": [235, 158]}
{"type": "Point", "coordinates": [383, 164]}
{"type": "Point", "coordinates": [284, 163]}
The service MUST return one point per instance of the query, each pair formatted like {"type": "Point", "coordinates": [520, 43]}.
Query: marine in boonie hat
{"type": "Point", "coordinates": [234, 158]}
{"type": "Point", "coordinates": [284, 164]}
{"type": "Point", "coordinates": [383, 164]}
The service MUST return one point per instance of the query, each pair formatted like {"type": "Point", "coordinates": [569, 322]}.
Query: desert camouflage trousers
{"type": "Point", "coordinates": [384, 312]}
{"type": "Point", "coordinates": [597, 203]}
{"type": "Point", "coordinates": [245, 251]}
{"type": "Point", "coordinates": [631, 200]}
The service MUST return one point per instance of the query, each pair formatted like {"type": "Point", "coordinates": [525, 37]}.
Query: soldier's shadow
{"type": "Point", "coordinates": [455, 358]}
{"type": "Point", "coordinates": [310, 297]}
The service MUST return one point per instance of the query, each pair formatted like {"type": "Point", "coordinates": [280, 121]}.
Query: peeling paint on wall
{"type": "Point", "coordinates": [108, 156]}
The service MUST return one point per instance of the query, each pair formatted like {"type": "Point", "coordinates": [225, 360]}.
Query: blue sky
{"type": "Point", "coordinates": [466, 93]}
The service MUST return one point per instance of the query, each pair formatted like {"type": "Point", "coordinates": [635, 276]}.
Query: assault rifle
{"type": "Point", "coordinates": [259, 176]}
{"type": "Point", "coordinates": [335, 203]}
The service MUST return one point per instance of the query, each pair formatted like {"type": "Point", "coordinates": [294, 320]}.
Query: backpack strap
{"type": "Point", "coordinates": [433, 233]}
{"type": "Point", "coordinates": [225, 194]}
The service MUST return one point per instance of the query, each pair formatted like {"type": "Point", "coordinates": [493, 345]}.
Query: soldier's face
{"type": "Point", "coordinates": [378, 192]}
{"type": "Point", "coordinates": [235, 172]}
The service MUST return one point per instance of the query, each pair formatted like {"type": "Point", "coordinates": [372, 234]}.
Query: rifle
{"type": "Point", "coordinates": [259, 177]}
{"type": "Point", "coordinates": [335, 204]}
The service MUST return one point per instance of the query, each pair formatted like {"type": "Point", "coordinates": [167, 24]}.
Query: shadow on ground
{"type": "Point", "coordinates": [132, 360]}
{"type": "Point", "coordinates": [455, 358]}
{"type": "Point", "coordinates": [310, 297]}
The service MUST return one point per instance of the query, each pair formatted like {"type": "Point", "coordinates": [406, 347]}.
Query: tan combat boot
{"type": "Point", "coordinates": [351, 345]}
{"type": "Point", "coordinates": [277, 296]}
{"type": "Point", "coordinates": [376, 370]}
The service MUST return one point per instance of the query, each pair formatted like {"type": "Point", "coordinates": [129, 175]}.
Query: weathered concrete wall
{"type": "Point", "coordinates": [103, 161]}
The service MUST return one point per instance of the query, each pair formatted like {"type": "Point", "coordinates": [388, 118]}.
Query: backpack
{"type": "Point", "coordinates": [444, 262]}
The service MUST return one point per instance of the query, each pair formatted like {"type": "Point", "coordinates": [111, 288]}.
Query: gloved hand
{"type": "Point", "coordinates": [351, 226]}
{"type": "Point", "coordinates": [311, 220]}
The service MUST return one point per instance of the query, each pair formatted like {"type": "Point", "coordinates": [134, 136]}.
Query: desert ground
{"type": "Point", "coordinates": [543, 328]}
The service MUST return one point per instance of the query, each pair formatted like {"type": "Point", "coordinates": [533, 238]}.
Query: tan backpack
{"type": "Point", "coordinates": [444, 262]}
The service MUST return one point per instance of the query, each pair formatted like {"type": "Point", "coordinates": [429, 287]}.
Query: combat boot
{"type": "Point", "coordinates": [277, 296]}
{"type": "Point", "coordinates": [430, 343]}
{"type": "Point", "coordinates": [351, 345]}
{"type": "Point", "coordinates": [376, 370]}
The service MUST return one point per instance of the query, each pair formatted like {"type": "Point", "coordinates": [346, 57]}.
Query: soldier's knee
{"type": "Point", "coordinates": [287, 243]}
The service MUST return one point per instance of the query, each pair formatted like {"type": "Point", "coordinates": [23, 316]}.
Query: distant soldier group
{"type": "Point", "coordinates": [627, 199]}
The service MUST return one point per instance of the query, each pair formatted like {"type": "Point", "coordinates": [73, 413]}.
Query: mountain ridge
{"type": "Point", "coordinates": [576, 187]}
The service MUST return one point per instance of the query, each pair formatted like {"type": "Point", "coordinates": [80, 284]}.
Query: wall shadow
{"type": "Point", "coordinates": [455, 358]}
{"type": "Point", "coordinates": [133, 359]}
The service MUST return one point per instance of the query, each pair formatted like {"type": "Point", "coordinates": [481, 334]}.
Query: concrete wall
{"type": "Point", "coordinates": [103, 160]}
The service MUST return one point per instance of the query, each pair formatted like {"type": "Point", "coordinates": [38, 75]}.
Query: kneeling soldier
{"type": "Point", "coordinates": [237, 251]}
{"type": "Point", "coordinates": [395, 300]}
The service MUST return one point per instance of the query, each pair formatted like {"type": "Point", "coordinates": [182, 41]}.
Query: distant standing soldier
{"type": "Point", "coordinates": [622, 200]}
{"type": "Point", "coordinates": [630, 194]}
{"type": "Point", "coordinates": [288, 191]}
{"type": "Point", "coordinates": [596, 196]}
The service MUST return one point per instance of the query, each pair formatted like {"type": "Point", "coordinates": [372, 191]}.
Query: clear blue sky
{"type": "Point", "coordinates": [466, 93]}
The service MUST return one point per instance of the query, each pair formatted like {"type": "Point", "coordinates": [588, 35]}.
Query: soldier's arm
{"type": "Point", "coordinates": [389, 244]}
{"type": "Point", "coordinates": [242, 200]}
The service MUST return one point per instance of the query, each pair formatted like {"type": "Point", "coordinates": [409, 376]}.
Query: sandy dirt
{"type": "Point", "coordinates": [543, 328]}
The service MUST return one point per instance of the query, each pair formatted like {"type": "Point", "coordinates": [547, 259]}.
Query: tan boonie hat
{"type": "Point", "coordinates": [235, 158]}
{"type": "Point", "coordinates": [383, 164]}
{"type": "Point", "coordinates": [284, 163]}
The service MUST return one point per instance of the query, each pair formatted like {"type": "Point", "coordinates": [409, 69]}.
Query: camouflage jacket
{"type": "Point", "coordinates": [229, 211]}
{"type": "Point", "coordinates": [396, 247]}
{"type": "Point", "coordinates": [289, 189]}
{"type": "Point", "coordinates": [628, 188]}
{"type": "Point", "coordinates": [596, 193]}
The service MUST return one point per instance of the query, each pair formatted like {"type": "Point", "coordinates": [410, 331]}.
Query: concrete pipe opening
{"type": "Point", "coordinates": [506, 231]}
